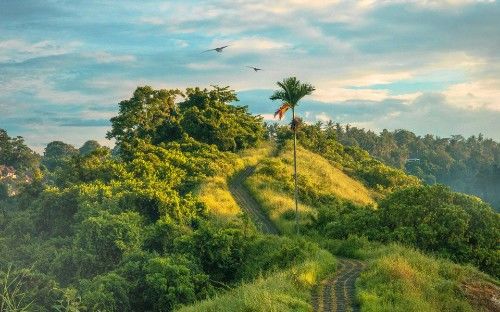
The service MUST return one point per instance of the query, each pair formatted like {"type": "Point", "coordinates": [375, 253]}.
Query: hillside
{"type": "Point", "coordinates": [397, 278]}
{"type": "Point", "coordinates": [272, 186]}
{"type": "Point", "coordinates": [157, 225]}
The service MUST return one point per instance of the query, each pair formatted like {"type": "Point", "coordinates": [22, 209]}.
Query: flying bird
{"type": "Point", "coordinates": [219, 49]}
{"type": "Point", "coordinates": [254, 68]}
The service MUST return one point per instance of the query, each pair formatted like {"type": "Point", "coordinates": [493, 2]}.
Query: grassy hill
{"type": "Point", "coordinates": [397, 278]}
{"type": "Point", "coordinates": [272, 186]}
{"type": "Point", "coordinates": [214, 191]}
{"type": "Point", "coordinates": [153, 226]}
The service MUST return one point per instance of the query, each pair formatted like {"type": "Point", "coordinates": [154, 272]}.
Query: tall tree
{"type": "Point", "coordinates": [56, 153]}
{"type": "Point", "coordinates": [290, 93]}
{"type": "Point", "coordinates": [143, 114]}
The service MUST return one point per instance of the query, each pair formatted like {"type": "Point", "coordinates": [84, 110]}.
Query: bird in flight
{"type": "Point", "coordinates": [254, 68]}
{"type": "Point", "coordinates": [219, 49]}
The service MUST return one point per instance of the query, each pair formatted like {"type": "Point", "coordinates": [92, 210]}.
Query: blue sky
{"type": "Point", "coordinates": [427, 66]}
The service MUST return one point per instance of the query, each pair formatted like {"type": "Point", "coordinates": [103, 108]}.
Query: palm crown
{"type": "Point", "coordinates": [292, 90]}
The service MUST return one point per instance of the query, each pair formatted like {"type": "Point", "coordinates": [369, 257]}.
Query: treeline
{"type": "Point", "coordinates": [432, 218]}
{"type": "Point", "coordinates": [122, 231]}
{"type": "Point", "coordinates": [469, 165]}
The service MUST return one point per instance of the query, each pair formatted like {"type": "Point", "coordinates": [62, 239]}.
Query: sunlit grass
{"type": "Point", "coordinates": [399, 278]}
{"type": "Point", "coordinates": [325, 178]}
{"type": "Point", "coordinates": [279, 205]}
{"type": "Point", "coordinates": [214, 191]}
{"type": "Point", "coordinates": [313, 170]}
{"type": "Point", "coordinates": [287, 290]}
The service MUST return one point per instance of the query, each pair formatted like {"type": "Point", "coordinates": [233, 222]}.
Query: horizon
{"type": "Point", "coordinates": [430, 67]}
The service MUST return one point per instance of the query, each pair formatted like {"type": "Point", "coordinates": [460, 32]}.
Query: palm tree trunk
{"type": "Point", "coordinates": [295, 170]}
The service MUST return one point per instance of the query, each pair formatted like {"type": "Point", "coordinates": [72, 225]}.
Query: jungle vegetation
{"type": "Point", "coordinates": [136, 229]}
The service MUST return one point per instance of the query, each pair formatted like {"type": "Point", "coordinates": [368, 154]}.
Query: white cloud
{"type": "Point", "coordinates": [248, 44]}
{"type": "Point", "coordinates": [269, 117]}
{"type": "Point", "coordinates": [482, 94]}
{"type": "Point", "coordinates": [17, 50]}
{"type": "Point", "coordinates": [105, 57]}
{"type": "Point", "coordinates": [348, 88]}
{"type": "Point", "coordinates": [323, 117]}
{"type": "Point", "coordinates": [207, 66]}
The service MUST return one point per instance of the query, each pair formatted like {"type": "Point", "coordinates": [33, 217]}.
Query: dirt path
{"type": "Point", "coordinates": [249, 204]}
{"type": "Point", "coordinates": [337, 293]}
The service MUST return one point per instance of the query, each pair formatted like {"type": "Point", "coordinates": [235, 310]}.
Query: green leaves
{"type": "Point", "coordinates": [140, 116]}
{"type": "Point", "coordinates": [108, 237]}
{"type": "Point", "coordinates": [206, 115]}
{"type": "Point", "coordinates": [292, 90]}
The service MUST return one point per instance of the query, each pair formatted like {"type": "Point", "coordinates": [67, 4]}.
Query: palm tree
{"type": "Point", "coordinates": [291, 92]}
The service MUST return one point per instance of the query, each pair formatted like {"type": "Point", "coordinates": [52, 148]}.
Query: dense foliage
{"type": "Point", "coordinates": [100, 230]}
{"type": "Point", "coordinates": [154, 116]}
{"type": "Point", "coordinates": [431, 218]}
{"type": "Point", "coordinates": [470, 165]}
{"type": "Point", "coordinates": [14, 153]}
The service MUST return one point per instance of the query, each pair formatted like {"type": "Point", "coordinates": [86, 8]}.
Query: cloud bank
{"type": "Point", "coordinates": [428, 66]}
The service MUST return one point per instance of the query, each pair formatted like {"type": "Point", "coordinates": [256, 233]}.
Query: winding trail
{"type": "Point", "coordinates": [248, 203]}
{"type": "Point", "coordinates": [335, 294]}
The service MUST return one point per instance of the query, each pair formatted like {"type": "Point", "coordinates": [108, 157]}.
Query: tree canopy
{"type": "Point", "coordinates": [205, 115]}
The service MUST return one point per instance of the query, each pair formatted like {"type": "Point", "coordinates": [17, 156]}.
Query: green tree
{"type": "Point", "coordinates": [57, 153]}
{"type": "Point", "coordinates": [14, 153]}
{"type": "Point", "coordinates": [107, 237]}
{"type": "Point", "coordinates": [89, 147]}
{"type": "Point", "coordinates": [109, 292]}
{"type": "Point", "coordinates": [142, 115]}
{"type": "Point", "coordinates": [207, 116]}
{"type": "Point", "coordinates": [291, 92]}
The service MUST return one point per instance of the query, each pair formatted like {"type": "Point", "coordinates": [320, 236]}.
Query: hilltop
{"type": "Point", "coordinates": [153, 226]}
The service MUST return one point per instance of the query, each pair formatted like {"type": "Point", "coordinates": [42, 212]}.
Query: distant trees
{"type": "Point", "coordinates": [14, 153]}
{"type": "Point", "coordinates": [467, 165]}
{"type": "Point", "coordinates": [89, 147]}
{"type": "Point", "coordinates": [56, 153]}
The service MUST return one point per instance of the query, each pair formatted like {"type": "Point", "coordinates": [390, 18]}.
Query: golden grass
{"type": "Point", "coordinates": [404, 279]}
{"type": "Point", "coordinates": [312, 169]}
{"type": "Point", "coordinates": [326, 178]}
{"type": "Point", "coordinates": [278, 205]}
{"type": "Point", "coordinates": [214, 191]}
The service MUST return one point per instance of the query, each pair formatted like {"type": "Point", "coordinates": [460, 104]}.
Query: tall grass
{"type": "Point", "coordinates": [408, 280]}
{"type": "Point", "coordinates": [319, 174]}
{"type": "Point", "coordinates": [214, 191]}
{"type": "Point", "coordinates": [269, 186]}
{"type": "Point", "coordinates": [283, 291]}
{"type": "Point", "coordinates": [12, 294]}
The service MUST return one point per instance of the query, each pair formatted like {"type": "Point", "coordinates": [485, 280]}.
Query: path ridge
{"type": "Point", "coordinates": [335, 294]}
{"type": "Point", "coordinates": [248, 203]}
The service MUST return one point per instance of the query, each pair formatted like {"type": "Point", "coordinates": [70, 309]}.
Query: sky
{"type": "Point", "coordinates": [426, 66]}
